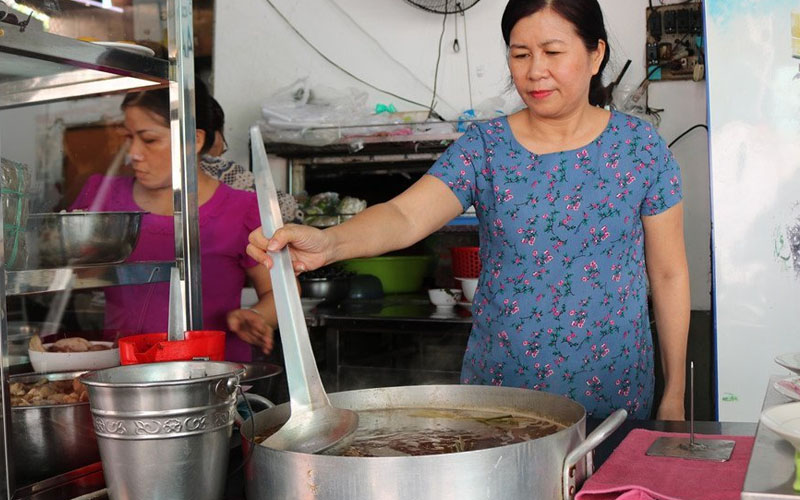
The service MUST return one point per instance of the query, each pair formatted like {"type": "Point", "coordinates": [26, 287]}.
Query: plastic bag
{"type": "Point", "coordinates": [323, 115]}
{"type": "Point", "coordinates": [15, 181]}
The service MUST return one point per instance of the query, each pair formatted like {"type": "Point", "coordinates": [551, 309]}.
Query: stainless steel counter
{"type": "Point", "coordinates": [413, 308]}
{"type": "Point", "coordinates": [771, 471]}
{"type": "Point", "coordinates": [396, 340]}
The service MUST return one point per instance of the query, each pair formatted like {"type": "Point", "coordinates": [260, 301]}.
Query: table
{"type": "Point", "coordinates": [90, 487]}
{"type": "Point", "coordinates": [772, 470]}
{"type": "Point", "coordinates": [411, 342]}
{"type": "Point", "coordinates": [605, 449]}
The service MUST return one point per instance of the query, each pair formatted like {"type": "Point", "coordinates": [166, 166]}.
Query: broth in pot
{"type": "Point", "coordinates": [399, 432]}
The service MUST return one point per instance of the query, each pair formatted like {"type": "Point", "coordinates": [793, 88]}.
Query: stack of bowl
{"type": "Point", "coordinates": [466, 269]}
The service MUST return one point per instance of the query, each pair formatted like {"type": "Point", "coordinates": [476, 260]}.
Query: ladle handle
{"type": "Point", "coordinates": [305, 386]}
{"type": "Point", "coordinates": [176, 320]}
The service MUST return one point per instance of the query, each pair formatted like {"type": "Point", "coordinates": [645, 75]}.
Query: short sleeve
{"type": "Point", "coordinates": [664, 183]}
{"type": "Point", "coordinates": [88, 193]}
{"type": "Point", "coordinates": [459, 165]}
{"type": "Point", "coordinates": [251, 221]}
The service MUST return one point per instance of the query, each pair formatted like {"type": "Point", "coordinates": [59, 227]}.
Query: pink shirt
{"type": "Point", "coordinates": [226, 220]}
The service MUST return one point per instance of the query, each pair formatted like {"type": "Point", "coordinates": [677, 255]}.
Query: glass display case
{"type": "Point", "coordinates": [65, 66]}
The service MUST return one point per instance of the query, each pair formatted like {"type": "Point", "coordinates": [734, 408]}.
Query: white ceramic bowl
{"type": "Point", "coordinates": [790, 361]}
{"type": "Point", "coordinates": [444, 297]}
{"type": "Point", "coordinates": [73, 361]}
{"type": "Point", "coordinates": [468, 285]}
{"type": "Point", "coordinates": [784, 420]}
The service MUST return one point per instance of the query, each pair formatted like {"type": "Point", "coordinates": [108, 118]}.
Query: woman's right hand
{"type": "Point", "coordinates": [309, 247]}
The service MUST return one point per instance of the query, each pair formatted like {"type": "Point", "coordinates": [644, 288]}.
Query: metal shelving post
{"type": "Point", "coordinates": [65, 68]}
{"type": "Point", "coordinates": [184, 179]}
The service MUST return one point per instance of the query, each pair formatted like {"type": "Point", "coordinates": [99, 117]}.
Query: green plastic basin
{"type": "Point", "coordinates": [398, 274]}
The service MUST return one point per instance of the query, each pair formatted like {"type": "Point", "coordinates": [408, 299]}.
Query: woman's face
{"type": "Point", "coordinates": [150, 153]}
{"type": "Point", "coordinates": [550, 65]}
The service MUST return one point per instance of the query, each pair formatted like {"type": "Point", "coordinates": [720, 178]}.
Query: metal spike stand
{"type": "Point", "coordinates": [717, 450]}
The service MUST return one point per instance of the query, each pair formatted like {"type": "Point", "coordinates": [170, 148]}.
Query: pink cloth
{"type": "Point", "coordinates": [629, 474]}
{"type": "Point", "coordinates": [225, 220]}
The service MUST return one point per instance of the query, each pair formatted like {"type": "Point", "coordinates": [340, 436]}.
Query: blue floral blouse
{"type": "Point", "coordinates": [561, 304]}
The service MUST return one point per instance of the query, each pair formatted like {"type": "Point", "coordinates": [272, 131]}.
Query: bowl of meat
{"type": "Point", "coordinates": [72, 353]}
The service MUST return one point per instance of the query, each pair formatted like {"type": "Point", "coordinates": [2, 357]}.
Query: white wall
{"type": "Point", "coordinates": [393, 45]}
{"type": "Point", "coordinates": [755, 166]}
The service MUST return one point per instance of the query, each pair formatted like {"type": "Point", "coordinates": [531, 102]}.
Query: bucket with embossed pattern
{"type": "Point", "coordinates": [163, 429]}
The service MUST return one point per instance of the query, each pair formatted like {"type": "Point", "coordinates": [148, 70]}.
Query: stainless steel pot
{"type": "Point", "coordinates": [79, 238]}
{"type": "Point", "coordinates": [258, 377]}
{"type": "Point", "coordinates": [550, 468]}
{"type": "Point", "coordinates": [53, 439]}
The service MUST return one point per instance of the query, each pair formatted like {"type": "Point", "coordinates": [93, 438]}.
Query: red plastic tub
{"type": "Point", "coordinates": [154, 347]}
{"type": "Point", "coordinates": [466, 262]}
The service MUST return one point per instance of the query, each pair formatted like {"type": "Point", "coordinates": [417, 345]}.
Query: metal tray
{"type": "Point", "coordinates": [771, 471]}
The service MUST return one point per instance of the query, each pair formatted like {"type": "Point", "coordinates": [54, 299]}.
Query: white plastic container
{"type": "Point", "coordinates": [73, 361]}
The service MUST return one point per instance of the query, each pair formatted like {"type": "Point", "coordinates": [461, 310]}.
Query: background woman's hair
{"type": "Point", "coordinates": [587, 18]}
{"type": "Point", "coordinates": [209, 116]}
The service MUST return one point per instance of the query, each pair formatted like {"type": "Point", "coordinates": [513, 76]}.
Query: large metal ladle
{"type": "Point", "coordinates": [314, 425]}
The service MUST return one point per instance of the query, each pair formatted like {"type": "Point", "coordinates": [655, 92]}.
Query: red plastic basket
{"type": "Point", "coordinates": [154, 347]}
{"type": "Point", "coordinates": [466, 262]}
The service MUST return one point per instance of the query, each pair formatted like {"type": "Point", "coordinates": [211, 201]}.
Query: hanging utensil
{"type": "Point", "coordinates": [176, 324]}
{"type": "Point", "coordinates": [65, 278]}
{"type": "Point", "coordinates": [314, 425]}
{"type": "Point", "coordinates": [64, 281]}
{"type": "Point", "coordinates": [456, 45]}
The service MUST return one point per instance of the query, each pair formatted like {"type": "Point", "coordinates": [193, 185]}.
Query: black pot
{"type": "Point", "coordinates": [365, 286]}
{"type": "Point", "coordinates": [331, 289]}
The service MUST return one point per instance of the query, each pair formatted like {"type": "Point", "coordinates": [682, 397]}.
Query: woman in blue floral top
{"type": "Point", "coordinates": [578, 207]}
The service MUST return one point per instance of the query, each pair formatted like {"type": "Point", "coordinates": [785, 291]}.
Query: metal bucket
{"type": "Point", "coordinates": [163, 428]}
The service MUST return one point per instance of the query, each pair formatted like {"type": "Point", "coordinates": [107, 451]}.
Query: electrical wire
{"type": "Point", "coordinates": [699, 125]}
{"type": "Point", "coordinates": [438, 60]}
{"type": "Point", "coordinates": [466, 52]}
{"type": "Point", "coordinates": [388, 54]}
{"type": "Point", "coordinates": [348, 73]}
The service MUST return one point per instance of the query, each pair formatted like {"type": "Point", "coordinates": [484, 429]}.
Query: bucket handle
{"type": "Point", "coordinates": [239, 421]}
{"type": "Point", "coordinates": [584, 449]}
{"type": "Point", "coordinates": [249, 399]}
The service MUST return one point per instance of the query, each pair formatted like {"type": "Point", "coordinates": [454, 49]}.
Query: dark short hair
{"type": "Point", "coordinates": [209, 116]}
{"type": "Point", "coordinates": [587, 18]}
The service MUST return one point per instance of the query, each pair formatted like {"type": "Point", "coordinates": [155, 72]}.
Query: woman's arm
{"type": "Point", "coordinates": [257, 324]}
{"type": "Point", "coordinates": [668, 273]}
{"type": "Point", "coordinates": [412, 215]}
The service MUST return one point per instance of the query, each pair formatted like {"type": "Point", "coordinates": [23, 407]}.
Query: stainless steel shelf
{"type": "Point", "coordinates": [53, 280]}
{"type": "Point", "coordinates": [771, 471]}
{"type": "Point", "coordinates": [40, 67]}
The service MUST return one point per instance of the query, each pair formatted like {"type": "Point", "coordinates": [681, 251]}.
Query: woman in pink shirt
{"type": "Point", "coordinates": [226, 217]}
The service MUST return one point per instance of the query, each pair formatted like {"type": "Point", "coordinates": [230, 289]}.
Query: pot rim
{"type": "Point", "coordinates": [250, 425]}
{"type": "Point", "coordinates": [237, 371]}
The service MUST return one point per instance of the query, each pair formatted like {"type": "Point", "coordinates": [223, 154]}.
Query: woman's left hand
{"type": "Point", "coordinates": [252, 327]}
{"type": "Point", "coordinates": [671, 409]}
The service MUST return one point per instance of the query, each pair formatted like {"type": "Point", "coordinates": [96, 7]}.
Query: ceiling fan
{"type": "Point", "coordinates": [444, 6]}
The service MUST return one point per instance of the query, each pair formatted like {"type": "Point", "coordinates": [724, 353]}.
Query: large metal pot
{"type": "Point", "coordinates": [549, 467]}
{"type": "Point", "coordinates": [53, 439]}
